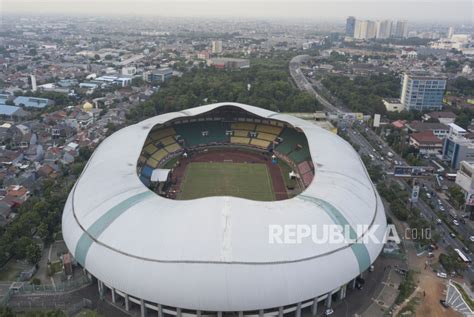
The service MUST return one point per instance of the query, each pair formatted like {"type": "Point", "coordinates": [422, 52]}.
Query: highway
{"type": "Point", "coordinates": [377, 147]}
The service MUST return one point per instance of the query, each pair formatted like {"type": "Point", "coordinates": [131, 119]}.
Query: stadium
{"type": "Point", "coordinates": [172, 215]}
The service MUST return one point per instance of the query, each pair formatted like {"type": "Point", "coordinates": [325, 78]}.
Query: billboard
{"type": "Point", "coordinates": [376, 120]}
{"type": "Point", "coordinates": [470, 200]}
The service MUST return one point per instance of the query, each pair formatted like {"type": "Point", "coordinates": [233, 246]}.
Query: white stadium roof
{"type": "Point", "coordinates": [213, 253]}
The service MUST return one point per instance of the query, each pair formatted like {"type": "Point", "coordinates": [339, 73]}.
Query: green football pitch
{"type": "Point", "coordinates": [251, 181]}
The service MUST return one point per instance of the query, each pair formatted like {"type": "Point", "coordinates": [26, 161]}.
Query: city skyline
{"type": "Point", "coordinates": [460, 11]}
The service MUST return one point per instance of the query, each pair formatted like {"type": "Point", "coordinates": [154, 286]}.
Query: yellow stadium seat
{"type": "Point", "coordinates": [268, 129]}
{"type": "Point", "coordinates": [241, 133]}
{"type": "Point", "coordinates": [159, 155]}
{"type": "Point", "coordinates": [173, 147]}
{"type": "Point", "coordinates": [152, 162]}
{"type": "Point", "coordinates": [260, 143]}
{"type": "Point", "coordinates": [167, 141]}
{"type": "Point", "coordinates": [243, 126]}
{"type": "Point", "coordinates": [150, 149]}
{"type": "Point", "coordinates": [162, 133]}
{"type": "Point", "coordinates": [239, 140]}
{"type": "Point", "coordinates": [266, 136]}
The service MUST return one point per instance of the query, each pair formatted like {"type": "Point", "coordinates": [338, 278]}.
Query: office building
{"type": "Point", "coordinates": [158, 75]}
{"type": "Point", "coordinates": [421, 91]}
{"type": "Point", "coordinates": [465, 179]}
{"type": "Point", "coordinates": [457, 147]}
{"type": "Point", "coordinates": [216, 47]}
{"type": "Point", "coordinates": [350, 26]}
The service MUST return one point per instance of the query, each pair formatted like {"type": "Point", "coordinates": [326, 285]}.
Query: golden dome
{"type": "Point", "coordinates": [87, 106]}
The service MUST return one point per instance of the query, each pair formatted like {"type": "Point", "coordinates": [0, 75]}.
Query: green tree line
{"type": "Point", "coordinates": [264, 84]}
{"type": "Point", "coordinates": [364, 93]}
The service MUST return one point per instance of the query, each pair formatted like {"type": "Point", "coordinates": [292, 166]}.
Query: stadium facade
{"type": "Point", "coordinates": [212, 256]}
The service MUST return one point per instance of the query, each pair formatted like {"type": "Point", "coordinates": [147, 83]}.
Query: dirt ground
{"type": "Point", "coordinates": [431, 287]}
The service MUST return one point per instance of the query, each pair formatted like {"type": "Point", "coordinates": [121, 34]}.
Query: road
{"type": "Point", "coordinates": [369, 147]}
{"type": "Point", "coordinates": [303, 84]}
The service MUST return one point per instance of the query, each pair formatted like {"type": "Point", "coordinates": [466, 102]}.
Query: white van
{"type": "Point", "coordinates": [442, 275]}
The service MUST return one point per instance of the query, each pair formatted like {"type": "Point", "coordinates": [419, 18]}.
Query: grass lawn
{"type": "Point", "coordinates": [251, 181]}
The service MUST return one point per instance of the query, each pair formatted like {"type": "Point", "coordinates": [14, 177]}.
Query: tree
{"type": "Point", "coordinates": [456, 195]}
{"type": "Point", "coordinates": [6, 311]}
{"type": "Point", "coordinates": [33, 253]}
{"type": "Point", "coordinates": [43, 231]}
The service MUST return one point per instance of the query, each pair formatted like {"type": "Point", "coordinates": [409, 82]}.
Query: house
{"type": "Point", "coordinates": [8, 157]}
{"type": "Point", "coordinates": [17, 193]}
{"type": "Point", "coordinates": [47, 170]}
{"type": "Point", "coordinates": [426, 142]}
{"type": "Point", "coordinates": [444, 117]}
{"type": "Point", "coordinates": [399, 124]}
{"type": "Point", "coordinates": [438, 129]}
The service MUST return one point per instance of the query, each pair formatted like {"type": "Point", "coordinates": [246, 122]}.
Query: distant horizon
{"type": "Point", "coordinates": [438, 11]}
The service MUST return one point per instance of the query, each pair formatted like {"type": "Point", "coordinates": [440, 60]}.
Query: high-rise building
{"type": "Point", "coordinates": [360, 30]}
{"type": "Point", "coordinates": [350, 26]}
{"type": "Point", "coordinates": [450, 32]}
{"type": "Point", "coordinates": [384, 29]}
{"type": "Point", "coordinates": [422, 91]}
{"type": "Point", "coordinates": [371, 30]}
{"type": "Point", "coordinates": [400, 30]}
{"type": "Point", "coordinates": [32, 82]}
{"type": "Point", "coordinates": [216, 47]}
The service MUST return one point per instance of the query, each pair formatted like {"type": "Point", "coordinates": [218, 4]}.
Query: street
{"type": "Point", "coordinates": [375, 146]}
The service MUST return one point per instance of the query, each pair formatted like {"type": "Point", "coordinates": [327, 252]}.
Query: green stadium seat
{"type": "Point", "coordinates": [192, 133]}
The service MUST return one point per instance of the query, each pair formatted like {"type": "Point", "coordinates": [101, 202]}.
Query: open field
{"type": "Point", "coordinates": [245, 180]}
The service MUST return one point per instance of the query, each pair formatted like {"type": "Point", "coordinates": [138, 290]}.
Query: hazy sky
{"type": "Point", "coordinates": [421, 10]}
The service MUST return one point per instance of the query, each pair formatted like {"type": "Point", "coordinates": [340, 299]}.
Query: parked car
{"type": "Point", "coordinates": [442, 275]}
{"type": "Point", "coordinates": [452, 234]}
{"type": "Point", "coordinates": [329, 312]}
{"type": "Point", "coordinates": [471, 238]}
{"type": "Point", "coordinates": [455, 222]}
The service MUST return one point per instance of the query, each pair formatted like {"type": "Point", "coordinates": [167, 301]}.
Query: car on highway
{"type": "Point", "coordinates": [452, 234]}
{"type": "Point", "coordinates": [455, 222]}
{"type": "Point", "coordinates": [439, 221]}
{"type": "Point", "coordinates": [441, 208]}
